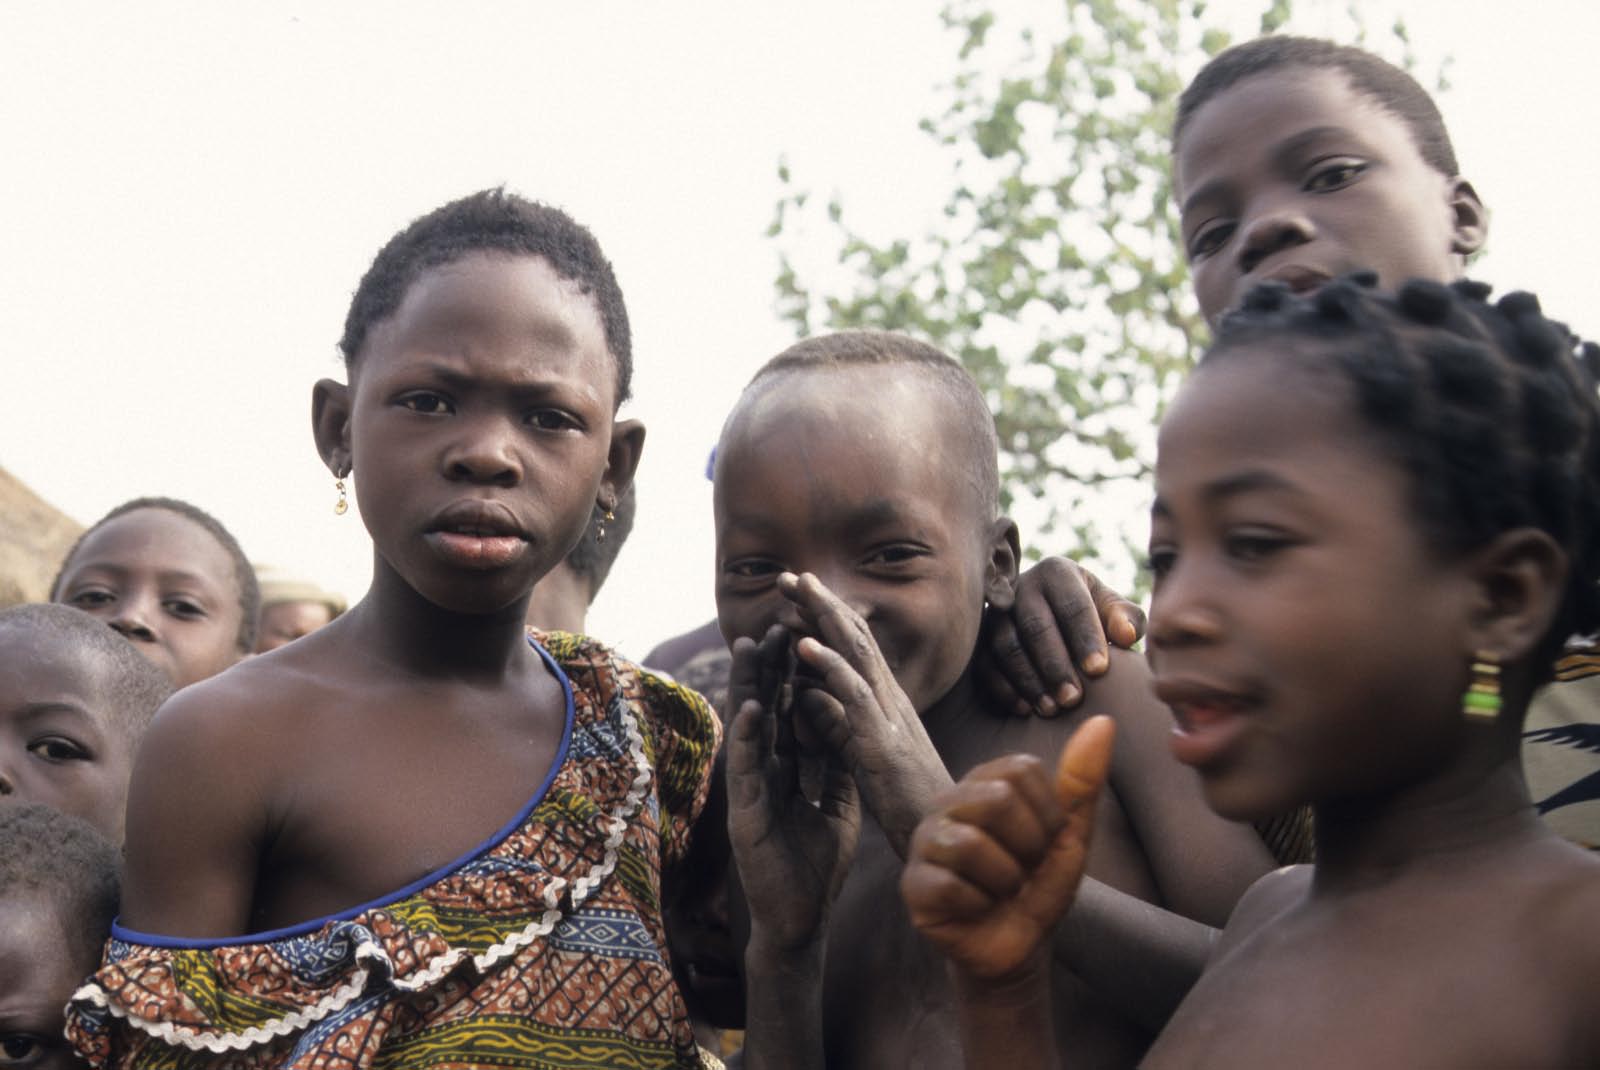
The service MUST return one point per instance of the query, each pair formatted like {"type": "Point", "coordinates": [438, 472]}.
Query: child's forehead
{"type": "Point", "coordinates": [1262, 111]}
{"type": "Point", "coordinates": [38, 665]}
{"type": "Point", "coordinates": [158, 538]}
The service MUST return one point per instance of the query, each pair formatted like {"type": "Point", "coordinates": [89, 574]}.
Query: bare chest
{"type": "Point", "coordinates": [1395, 989]}
{"type": "Point", "coordinates": [387, 796]}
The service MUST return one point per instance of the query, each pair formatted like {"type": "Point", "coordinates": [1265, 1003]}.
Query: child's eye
{"type": "Point", "coordinates": [90, 598]}
{"type": "Point", "coordinates": [551, 420]}
{"type": "Point", "coordinates": [58, 749]}
{"type": "Point", "coordinates": [427, 403]}
{"type": "Point", "coordinates": [1209, 240]}
{"type": "Point", "coordinates": [19, 1049]}
{"type": "Point", "coordinates": [183, 608]}
{"type": "Point", "coordinates": [897, 554]}
{"type": "Point", "coordinates": [752, 568]}
{"type": "Point", "coordinates": [1251, 546]}
{"type": "Point", "coordinates": [1336, 175]}
{"type": "Point", "coordinates": [1159, 561]}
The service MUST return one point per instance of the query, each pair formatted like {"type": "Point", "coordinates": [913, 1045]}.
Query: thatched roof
{"type": "Point", "coordinates": [34, 537]}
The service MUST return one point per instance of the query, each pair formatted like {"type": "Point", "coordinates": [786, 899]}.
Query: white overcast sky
{"type": "Point", "coordinates": [190, 191]}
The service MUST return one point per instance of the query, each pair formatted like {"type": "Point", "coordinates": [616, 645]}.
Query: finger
{"type": "Point", "coordinates": [1079, 634]}
{"type": "Point", "coordinates": [935, 896]}
{"type": "Point", "coordinates": [821, 721]}
{"type": "Point", "coordinates": [841, 680]}
{"type": "Point", "coordinates": [744, 674]}
{"type": "Point", "coordinates": [775, 655]}
{"type": "Point", "coordinates": [749, 746]}
{"type": "Point", "coordinates": [1124, 621]}
{"type": "Point", "coordinates": [994, 683]}
{"type": "Point", "coordinates": [1009, 670]}
{"type": "Point", "coordinates": [1018, 809]}
{"type": "Point", "coordinates": [1084, 763]}
{"type": "Point", "coordinates": [971, 854]}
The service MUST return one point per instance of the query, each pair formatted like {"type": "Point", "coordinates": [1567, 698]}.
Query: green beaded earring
{"type": "Point", "coordinates": [1481, 702]}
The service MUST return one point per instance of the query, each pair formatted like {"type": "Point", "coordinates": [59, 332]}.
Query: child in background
{"type": "Point", "coordinates": [291, 607]}
{"type": "Point", "coordinates": [75, 700]}
{"type": "Point", "coordinates": [415, 835]}
{"type": "Point", "coordinates": [561, 600]}
{"type": "Point", "coordinates": [172, 580]}
{"type": "Point", "coordinates": [58, 892]}
{"type": "Point", "coordinates": [858, 528]}
{"type": "Point", "coordinates": [1330, 459]}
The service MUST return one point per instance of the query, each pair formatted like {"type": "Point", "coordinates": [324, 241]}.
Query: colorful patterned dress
{"type": "Point", "coordinates": [542, 948]}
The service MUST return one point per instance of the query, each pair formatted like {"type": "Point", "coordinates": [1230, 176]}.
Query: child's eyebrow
{"type": "Point", "coordinates": [1250, 481]}
{"type": "Point", "coordinates": [37, 711]}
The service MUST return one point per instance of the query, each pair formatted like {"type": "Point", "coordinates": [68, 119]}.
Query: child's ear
{"type": "Point", "coordinates": [1005, 557]}
{"type": "Point", "coordinates": [330, 425]}
{"type": "Point", "coordinates": [1469, 218]}
{"type": "Point", "coordinates": [627, 443]}
{"type": "Point", "coordinates": [1521, 577]}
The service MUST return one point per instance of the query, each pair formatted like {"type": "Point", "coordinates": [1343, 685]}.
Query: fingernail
{"type": "Point", "coordinates": [1066, 695]}
{"type": "Point", "coordinates": [1096, 662]}
{"type": "Point", "coordinates": [1047, 706]}
{"type": "Point", "coordinates": [1021, 708]}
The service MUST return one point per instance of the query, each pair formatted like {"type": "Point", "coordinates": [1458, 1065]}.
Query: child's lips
{"type": "Point", "coordinates": [1209, 721]}
{"type": "Point", "coordinates": [478, 534]}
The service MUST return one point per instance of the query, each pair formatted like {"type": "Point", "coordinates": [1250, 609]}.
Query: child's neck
{"type": "Point", "coordinates": [948, 720]}
{"type": "Point", "coordinates": [1469, 812]}
{"type": "Point", "coordinates": [417, 637]}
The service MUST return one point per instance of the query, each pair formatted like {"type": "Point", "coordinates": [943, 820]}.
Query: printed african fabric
{"type": "Point", "coordinates": [543, 948]}
{"type": "Point", "coordinates": [1561, 748]}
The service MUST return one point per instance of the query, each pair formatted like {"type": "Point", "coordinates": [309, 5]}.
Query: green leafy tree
{"type": "Point", "coordinates": [1055, 273]}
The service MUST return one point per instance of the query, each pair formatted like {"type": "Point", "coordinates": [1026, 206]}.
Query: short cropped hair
{"type": "Point", "coordinates": [244, 574]}
{"type": "Point", "coordinates": [492, 221]}
{"type": "Point", "coordinates": [870, 347]}
{"type": "Point", "coordinates": [1492, 409]}
{"type": "Point", "coordinates": [1388, 85]}
{"type": "Point", "coordinates": [593, 557]}
{"type": "Point", "coordinates": [45, 851]}
{"type": "Point", "coordinates": [129, 684]}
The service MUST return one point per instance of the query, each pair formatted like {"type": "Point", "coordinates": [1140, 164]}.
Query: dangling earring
{"type": "Point", "coordinates": [340, 506]}
{"type": "Point", "coordinates": [600, 528]}
{"type": "Point", "coordinates": [1481, 703]}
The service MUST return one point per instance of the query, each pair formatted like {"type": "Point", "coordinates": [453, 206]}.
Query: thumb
{"type": "Point", "coordinates": [1084, 763]}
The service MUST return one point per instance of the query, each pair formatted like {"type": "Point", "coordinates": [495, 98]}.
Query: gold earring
{"type": "Point", "coordinates": [600, 528]}
{"type": "Point", "coordinates": [1481, 703]}
{"type": "Point", "coordinates": [340, 506]}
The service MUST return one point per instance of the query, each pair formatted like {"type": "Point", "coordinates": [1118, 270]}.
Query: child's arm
{"type": "Point", "coordinates": [792, 857]}
{"type": "Point", "coordinates": [193, 817]}
{"type": "Point", "coordinates": [862, 714]}
{"type": "Point", "coordinates": [1062, 614]}
{"type": "Point", "coordinates": [1202, 863]}
{"type": "Point", "coordinates": [991, 872]}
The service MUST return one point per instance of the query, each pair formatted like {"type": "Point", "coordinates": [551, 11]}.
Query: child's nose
{"type": "Point", "coordinates": [132, 619]}
{"type": "Point", "coordinates": [1278, 228]}
{"type": "Point", "coordinates": [486, 453]}
{"type": "Point", "coordinates": [1181, 612]}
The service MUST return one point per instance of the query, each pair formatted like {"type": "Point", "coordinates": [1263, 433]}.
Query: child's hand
{"type": "Point", "coordinates": [792, 854]}
{"type": "Point", "coordinates": [994, 869]}
{"type": "Point", "coordinates": [1062, 614]}
{"type": "Point", "coordinates": [861, 713]}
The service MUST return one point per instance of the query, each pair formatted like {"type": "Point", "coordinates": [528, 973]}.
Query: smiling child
{"type": "Point", "coordinates": [1330, 459]}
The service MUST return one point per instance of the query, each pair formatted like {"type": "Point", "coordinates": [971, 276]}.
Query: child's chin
{"type": "Point", "coordinates": [1235, 800]}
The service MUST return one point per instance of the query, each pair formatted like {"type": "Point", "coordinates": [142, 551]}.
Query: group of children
{"type": "Point", "coordinates": [425, 834]}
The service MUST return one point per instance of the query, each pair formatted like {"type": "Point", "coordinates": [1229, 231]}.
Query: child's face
{"type": "Point", "coordinates": [284, 622]}
{"type": "Point", "coordinates": [59, 742]}
{"type": "Point", "coordinates": [479, 425]}
{"type": "Point", "coordinates": [856, 475]}
{"type": "Point", "coordinates": [1294, 175]}
{"type": "Point", "coordinates": [1296, 606]}
{"type": "Point", "coordinates": [164, 582]}
{"type": "Point", "coordinates": [38, 975]}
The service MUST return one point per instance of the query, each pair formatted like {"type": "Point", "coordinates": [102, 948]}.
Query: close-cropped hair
{"type": "Point", "coordinates": [62, 858]}
{"type": "Point", "coordinates": [244, 573]}
{"type": "Point", "coordinates": [493, 221]}
{"type": "Point", "coordinates": [1491, 408]}
{"type": "Point", "coordinates": [1387, 85]}
{"type": "Point", "coordinates": [130, 685]}
{"type": "Point", "coordinates": [861, 348]}
{"type": "Point", "coordinates": [593, 557]}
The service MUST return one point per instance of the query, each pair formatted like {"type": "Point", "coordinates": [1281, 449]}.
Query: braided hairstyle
{"type": "Point", "coordinates": [1492, 409]}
